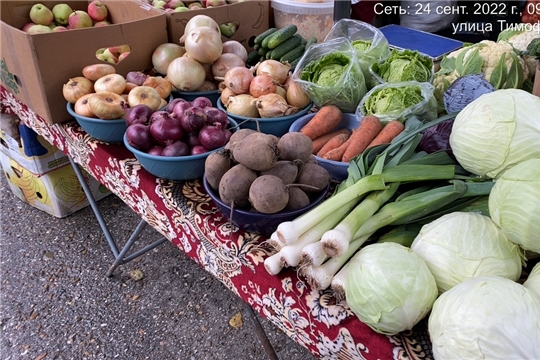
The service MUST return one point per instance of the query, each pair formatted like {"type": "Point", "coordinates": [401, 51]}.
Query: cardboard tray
{"type": "Point", "coordinates": [35, 67]}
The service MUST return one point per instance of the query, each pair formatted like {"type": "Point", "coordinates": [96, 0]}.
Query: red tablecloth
{"type": "Point", "coordinates": [185, 214]}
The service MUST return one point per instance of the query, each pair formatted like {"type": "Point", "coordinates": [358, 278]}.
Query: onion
{"type": "Point", "coordinates": [172, 104]}
{"type": "Point", "coordinates": [213, 136]}
{"type": "Point", "coordinates": [176, 148]}
{"type": "Point", "coordinates": [207, 86]}
{"type": "Point", "coordinates": [162, 85]}
{"type": "Point", "coordinates": [186, 74]}
{"type": "Point", "coordinates": [138, 136]}
{"type": "Point", "coordinates": [115, 83]}
{"type": "Point", "coordinates": [274, 105]}
{"type": "Point", "coordinates": [180, 107]}
{"type": "Point", "coordinates": [295, 95]}
{"type": "Point", "coordinates": [155, 150]}
{"type": "Point", "coordinates": [107, 105]}
{"type": "Point", "coordinates": [77, 87]}
{"type": "Point", "coordinates": [192, 139]}
{"type": "Point", "coordinates": [145, 95]}
{"type": "Point", "coordinates": [164, 128]}
{"type": "Point", "coordinates": [136, 77]}
{"type": "Point", "coordinates": [225, 62]}
{"type": "Point", "coordinates": [204, 44]}
{"type": "Point", "coordinates": [201, 102]}
{"type": "Point", "coordinates": [139, 114]}
{"type": "Point", "coordinates": [235, 47]}
{"type": "Point", "coordinates": [215, 115]}
{"type": "Point", "coordinates": [95, 71]}
{"type": "Point", "coordinates": [198, 149]}
{"type": "Point", "coordinates": [164, 54]}
{"type": "Point", "coordinates": [243, 105]}
{"type": "Point", "coordinates": [82, 108]}
{"type": "Point", "coordinates": [225, 94]}
{"type": "Point", "coordinates": [193, 119]}
{"type": "Point", "coordinates": [274, 68]}
{"type": "Point", "coordinates": [238, 79]}
{"type": "Point", "coordinates": [261, 85]}
{"type": "Point", "coordinates": [198, 21]}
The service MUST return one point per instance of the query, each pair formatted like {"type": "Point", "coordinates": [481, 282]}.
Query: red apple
{"type": "Point", "coordinates": [97, 10]}
{"type": "Point", "coordinates": [27, 26]}
{"type": "Point", "coordinates": [59, 28]}
{"type": "Point", "coordinates": [79, 19]}
{"type": "Point", "coordinates": [102, 23]}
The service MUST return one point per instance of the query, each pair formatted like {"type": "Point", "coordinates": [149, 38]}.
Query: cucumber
{"type": "Point", "coordinates": [286, 46]}
{"type": "Point", "coordinates": [294, 62]}
{"type": "Point", "coordinates": [294, 54]}
{"type": "Point", "coordinates": [310, 42]}
{"type": "Point", "coordinates": [253, 58]}
{"type": "Point", "coordinates": [259, 38]}
{"type": "Point", "coordinates": [262, 51]}
{"type": "Point", "coordinates": [281, 35]}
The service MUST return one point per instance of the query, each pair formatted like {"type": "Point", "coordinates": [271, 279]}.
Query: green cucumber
{"type": "Point", "coordinates": [253, 57]}
{"type": "Point", "coordinates": [310, 42]}
{"type": "Point", "coordinates": [286, 46]}
{"type": "Point", "coordinates": [281, 35]}
{"type": "Point", "coordinates": [294, 54]}
{"type": "Point", "coordinates": [259, 38]}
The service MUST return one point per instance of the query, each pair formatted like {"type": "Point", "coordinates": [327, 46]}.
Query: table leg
{"type": "Point", "coordinates": [120, 256]}
{"type": "Point", "coordinates": [260, 332]}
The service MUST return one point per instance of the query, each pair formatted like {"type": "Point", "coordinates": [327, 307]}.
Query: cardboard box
{"type": "Point", "coordinates": [252, 17]}
{"type": "Point", "coordinates": [57, 192]}
{"type": "Point", "coordinates": [35, 67]}
{"type": "Point", "coordinates": [34, 153]}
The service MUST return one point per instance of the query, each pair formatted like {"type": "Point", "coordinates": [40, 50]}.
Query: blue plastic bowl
{"type": "Point", "coordinates": [105, 130]}
{"type": "Point", "coordinates": [213, 95]}
{"type": "Point", "coordinates": [264, 224]}
{"type": "Point", "coordinates": [336, 169]}
{"type": "Point", "coordinates": [277, 126]}
{"type": "Point", "coordinates": [187, 167]}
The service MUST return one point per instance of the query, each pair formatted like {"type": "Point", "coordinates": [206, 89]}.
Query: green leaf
{"type": "Point", "coordinates": [448, 64]}
{"type": "Point", "coordinates": [507, 34]}
{"type": "Point", "coordinates": [498, 77]}
{"type": "Point", "coordinates": [515, 75]}
{"type": "Point", "coordinates": [471, 65]}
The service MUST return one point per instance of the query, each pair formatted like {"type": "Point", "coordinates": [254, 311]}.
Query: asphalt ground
{"type": "Point", "coordinates": [57, 303]}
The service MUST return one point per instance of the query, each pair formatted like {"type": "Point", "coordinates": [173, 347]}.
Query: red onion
{"type": "Point", "coordinates": [180, 107]}
{"type": "Point", "coordinates": [198, 149]}
{"type": "Point", "coordinates": [193, 119]}
{"type": "Point", "coordinates": [213, 136]}
{"type": "Point", "coordinates": [139, 114]}
{"type": "Point", "coordinates": [176, 148]}
{"type": "Point", "coordinates": [164, 128]}
{"type": "Point", "coordinates": [216, 115]}
{"type": "Point", "coordinates": [136, 77]}
{"type": "Point", "coordinates": [192, 139]}
{"type": "Point", "coordinates": [155, 150]}
{"type": "Point", "coordinates": [201, 102]}
{"type": "Point", "coordinates": [138, 136]}
{"type": "Point", "coordinates": [172, 103]}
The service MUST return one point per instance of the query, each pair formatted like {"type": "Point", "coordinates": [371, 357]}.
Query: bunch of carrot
{"type": "Point", "coordinates": [335, 144]}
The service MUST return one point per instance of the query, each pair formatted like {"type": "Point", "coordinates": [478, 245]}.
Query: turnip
{"type": "Point", "coordinates": [295, 146]}
{"type": "Point", "coordinates": [257, 151]}
{"type": "Point", "coordinates": [234, 186]}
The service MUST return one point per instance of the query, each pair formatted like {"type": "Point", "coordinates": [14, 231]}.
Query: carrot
{"type": "Point", "coordinates": [388, 133]}
{"type": "Point", "coordinates": [319, 142]}
{"type": "Point", "coordinates": [325, 120]}
{"type": "Point", "coordinates": [337, 153]}
{"type": "Point", "coordinates": [367, 130]}
{"type": "Point", "coordinates": [333, 143]}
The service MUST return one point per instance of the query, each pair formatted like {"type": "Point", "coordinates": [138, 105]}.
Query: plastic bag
{"type": "Point", "coordinates": [423, 61]}
{"type": "Point", "coordinates": [358, 30]}
{"type": "Point", "coordinates": [425, 109]}
{"type": "Point", "coordinates": [349, 88]}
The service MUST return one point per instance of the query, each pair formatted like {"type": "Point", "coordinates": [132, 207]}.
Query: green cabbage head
{"type": "Point", "coordinates": [514, 204]}
{"type": "Point", "coordinates": [461, 245]}
{"type": "Point", "coordinates": [389, 287]}
{"type": "Point", "coordinates": [497, 131]}
{"type": "Point", "coordinates": [486, 317]}
{"type": "Point", "coordinates": [392, 99]}
{"type": "Point", "coordinates": [405, 65]}
{"type": "Point", "coordinates": [533, 281]}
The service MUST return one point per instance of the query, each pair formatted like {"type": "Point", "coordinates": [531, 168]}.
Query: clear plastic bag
{"type": "Point", "coordinates": [354, 30]}
{"type": "Point", "coordinates": [425, 109]}
{"type": "Point", "coordinates": [350, 86]}
{"type": "Point", "coordinates": [374, 69]}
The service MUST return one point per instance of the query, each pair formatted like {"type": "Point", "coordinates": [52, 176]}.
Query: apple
{"type": "Point", "coordinates": [123, 55]}
{"type": "Point", "coordinates": [59, 28]}
{"type": "Point", "coordinates": [215, 3]}
{"type": "Point", "coordinates": [97, 10]}
{"type": "Point", "coordinates": [173, 4]}
{"type": "Point", "coordinates": [107, 56]}
{"type": "Point", "coordinates": [195, 5]}
{"type": "Point", "coordinates": [27, 26]}
{"type": "Point", "coordinates": [61, 13]}
{"type": "Point", "coordinates": [39, 29]}
{"type": "Point", "coordinates": [41, 15]}
{"type": "Point", "coordinates": [79, 19]}
{"type": "Point", "coordinates": [160, 4]}
{"type": "Point", "coordinates": [181, 9]}
{"type": "Point", "coordinates": [117, 50]}
{"type": "Point", "coordinates": [102, 23]}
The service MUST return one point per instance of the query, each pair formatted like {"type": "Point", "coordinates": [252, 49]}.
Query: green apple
{"type": "Point", "coordinates": [61, 13]}
{"type": "Point", "coordinates": [38, 29]}
{"type": "Point", "coordinates": [181, 9]}
{"type": "Point", "coordinates": [59, 28]}
{"type": "Point", "coordinates": [79, 19]}
{"type": "Point", "coordinates": [41, 15]}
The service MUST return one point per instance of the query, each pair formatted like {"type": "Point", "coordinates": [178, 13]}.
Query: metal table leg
{"type": "Point", "coordinates": [268, 348]}
{"type": "Point", "coordinates": [120, 256]}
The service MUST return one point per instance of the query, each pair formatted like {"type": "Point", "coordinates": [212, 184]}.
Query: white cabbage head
{"type": "Point", "coordinates": [497, 131]}
{"type": "Point", "coordinates": [486, 317]}
{"type": "Point", "coordinates": [461, 245]}
{"type": "Point", "coordinates": [389, 287]}
{"type": "Point", "coordinates": [533, 281]}
{"type": "Point", "coordinates": [514, 204]}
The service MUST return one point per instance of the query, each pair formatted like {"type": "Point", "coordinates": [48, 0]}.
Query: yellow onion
{"type": "Point", "coordinates": [204, 44]}
{"type": "Point", "coordinates": [115, 83]}
{"type": "Point", "coordinates": [235, 47]}
{"type": "Point", "coordinates": [296, 96]}
{"type": "Point", "coordinates": [225, 94]}
{"type": "Point", "coordinates": [207, 86]}
{"type": "Point", "coordinates": [261, 85]}
{"type": "Point", "coordinates": [164, 54]}
{"type": "Point", "coordinates": [225, 62]}
{"type": "Point", "coordinates": [77, 87]}
{"type": "Point", "coordinates": [280, 90]}
{"type": "Point", "coordinates": [198, 21]}
{"type": "Point", "coordinates": [186, 74]}
{"type": "Point", "coordinates": [238, 79]}
{"type": "Point", "coordinates": [82, 108]}
{"type": "Point", "coordinates": [243, 105]}
{"type": "Point", "coordinates": [95, 71]}
{"type": "Point", "coordinates": [274, 68]}
{"type": "Point", "coordinates": [144, 95]}
{"type": "Point", "coordinates": [274, 105]}
{"type": "Point", "coordinates": [107, 105]}
{"type": "Point", "coordinates": [162, 85]}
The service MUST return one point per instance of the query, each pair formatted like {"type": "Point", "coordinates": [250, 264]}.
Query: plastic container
{"type": "Point", "coordinates": [313, 19]}
{"type": "Point", "coordinates": [111, 131]}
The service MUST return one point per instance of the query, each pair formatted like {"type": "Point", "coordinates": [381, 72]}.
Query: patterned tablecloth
{"type": "Point", "coordinates": [185, 214]}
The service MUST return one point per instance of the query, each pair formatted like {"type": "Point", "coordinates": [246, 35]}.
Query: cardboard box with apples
{"type": "Point", "coordinates": [35, 66]}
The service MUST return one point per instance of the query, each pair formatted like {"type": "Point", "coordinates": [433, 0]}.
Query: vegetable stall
{"type": "Point", "coordinates": [424, 245]}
